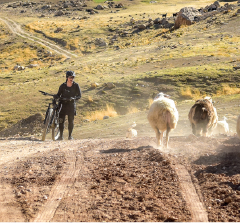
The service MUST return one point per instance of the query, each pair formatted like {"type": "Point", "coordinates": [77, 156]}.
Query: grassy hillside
{"type": "Point", "coordinates": [187, 63]}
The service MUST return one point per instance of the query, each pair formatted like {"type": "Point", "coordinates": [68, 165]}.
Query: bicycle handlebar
{"type": "Point", "coordinates": [54, 95]}
{"type": "Point", "coordinates": [45, 93]}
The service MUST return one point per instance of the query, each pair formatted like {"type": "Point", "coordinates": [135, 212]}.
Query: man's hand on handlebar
{"type": "Point", "coordinates": [67, 99]}
{"type": "Point", "coordinates": [55, 96]}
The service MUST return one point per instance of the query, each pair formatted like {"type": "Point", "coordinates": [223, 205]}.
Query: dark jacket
{"type": "Point", "coordinates": [69, 107]}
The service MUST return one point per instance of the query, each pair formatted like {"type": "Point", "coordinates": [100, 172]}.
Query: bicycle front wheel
{"type": "Point", "coordinates": [55, 130]}
{"type": "Point", "coordinates": [47, 124]}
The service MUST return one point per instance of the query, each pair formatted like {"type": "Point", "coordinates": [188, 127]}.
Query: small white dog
{"type": "Point", "coordinates": [131, 132]}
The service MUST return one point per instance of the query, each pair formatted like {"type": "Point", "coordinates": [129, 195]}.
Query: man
{"type": "Point", "coordinates": [70, 92]}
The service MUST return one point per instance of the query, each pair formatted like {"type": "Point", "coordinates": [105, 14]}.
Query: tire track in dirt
{"type": "Point", "coordinates": [20, 149]}
{"type": "Point", "coordinates": [188, 191]}
{"type": "Point", "coordinates": [199, 213]}
{"type": "Point", "coordinates": [60, 189]}
{"type": "Point", "coordinates": [80, 189]}
{"type": "Point", "coordinates": [16, 29]}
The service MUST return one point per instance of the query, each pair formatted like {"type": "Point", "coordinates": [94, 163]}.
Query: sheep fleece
{"type": "Point", "coordinates": [209, 117]}
{"type": "Point", "coordinates": [161, 112]}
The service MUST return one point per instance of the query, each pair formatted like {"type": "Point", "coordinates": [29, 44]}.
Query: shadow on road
{"type": "Point", "coordinates": [21, 138]}
{"type": "Point", "coordinates": [115, 150]}
{"type": "Point", "coordinates": [225, 161]}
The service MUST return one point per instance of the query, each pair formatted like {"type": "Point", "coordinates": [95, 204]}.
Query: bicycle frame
{"type": "Point", "coordinates": [51, 120]}
{"type": "Point", "coordinates": [56, 109]}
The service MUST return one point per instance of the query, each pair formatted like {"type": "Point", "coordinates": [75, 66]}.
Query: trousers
{"type": "Point", "coordinates": [70, 123]}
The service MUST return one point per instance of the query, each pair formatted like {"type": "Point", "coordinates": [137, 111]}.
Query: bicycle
{"type": "Point", "coordinates": [51, 120]}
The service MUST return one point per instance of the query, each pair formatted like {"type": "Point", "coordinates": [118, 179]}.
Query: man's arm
{"type": "Point", "coordinates": [59, 91]}
{"type": "Point", "coordinates": [78, 92]}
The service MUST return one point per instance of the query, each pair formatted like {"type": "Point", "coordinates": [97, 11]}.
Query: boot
{"type": "Point", "coordinates": [60, 137]}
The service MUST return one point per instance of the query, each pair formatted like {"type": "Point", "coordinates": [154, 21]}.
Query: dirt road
{"type": "Point", "coordinates": [106, 180]}
{"type": "Point", "coordinates": [17, 30]}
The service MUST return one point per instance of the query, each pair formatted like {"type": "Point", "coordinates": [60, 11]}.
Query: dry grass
{"type": "Point", "coordinates": [227, 90]}
{"type": "Point", "coordinates": [98, 115]}
{"type": "Point", "coordinates": [190, 93]}
{"type": "Point", "coordinates": [150, 101]}
{"type": "Point", "coordinates": [132, 110]}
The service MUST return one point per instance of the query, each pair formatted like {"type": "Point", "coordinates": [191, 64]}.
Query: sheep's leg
{"type": "Point", "coordinates": [161, 138]}
{"type": "Point", "coordinates": [198, 130]}
{"type": "Point", "coordinates": [167, 136]}
{"type": "Point", "coordinates": [193, 129]}
{"type": "Point", "coordinates": [157, 136]}
{"type": "Point", "coordinates": [204, 132]}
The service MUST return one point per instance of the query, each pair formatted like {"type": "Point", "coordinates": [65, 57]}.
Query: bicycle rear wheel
{"type": "Point", "coordinates": [47, 124]}
{"type": "Point", "coordinates": [55, 130]}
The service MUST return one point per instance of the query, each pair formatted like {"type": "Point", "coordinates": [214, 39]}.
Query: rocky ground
{"type": "Point", "coordinates": [120, 180]}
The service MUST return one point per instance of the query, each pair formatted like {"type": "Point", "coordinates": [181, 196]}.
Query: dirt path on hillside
{"type": "Point", "coordinates": [16, 29]}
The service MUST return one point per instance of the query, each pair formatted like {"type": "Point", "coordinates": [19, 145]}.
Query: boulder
{"type": "Point", "coordinates": [142, 27]}
{"type": "Point", "coordinates": [109, 85]}
{"type": "Point", "coordinates": [132, 20]}
{"type": "Point", "coordinates": [59, 29]}
{"type": "Point", "coordinates": [49, 54]}
{"type": "Point", "coordinates": [94, 85]}
{"type": "Point", "coordinates": [236, 68]}
{"type": "Point", "coordinates": [150, 24]}
{"type": "Point", "coordinates": [186, 16]}
{"type": "Point", "coordinates": [120, 5]}
{"type": "Point", "coordinates": [99, 7]}
{"type": "Point", "coordinates": [46, 7]}
{"type": "Point", "coordinates": [32, 65]}
{"type": "Point", "coordinates": [17, 67]}
{"type": "Point", "coordinates": [157, 20]}
{"type": "Point", "coordinates": [216, 3]}
{"type": "Point", "coordinates": [65, 5]}
{"type": "Point", "coordinates": [59, 13]}
{"type": "Point", "coordinates": [100, 42]}
{"type": "Point", "coordinates": [26, 4]}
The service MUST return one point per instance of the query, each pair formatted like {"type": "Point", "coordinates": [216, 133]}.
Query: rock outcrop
{"type": "Point", "coordinates": [186, 16]}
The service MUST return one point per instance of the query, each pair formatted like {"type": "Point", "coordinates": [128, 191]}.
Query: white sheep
{"type": "Point", "coordinates": [131, 132]}
{"type": "Point", "coordinates": [162, 116]}
{"type": "Point", "coordinates": [222, 127]}
{"type": "Point", "coordinates": [238, 126]}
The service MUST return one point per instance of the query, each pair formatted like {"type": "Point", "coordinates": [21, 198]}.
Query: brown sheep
{"type": "Point", "coordinates": [203, 116]}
